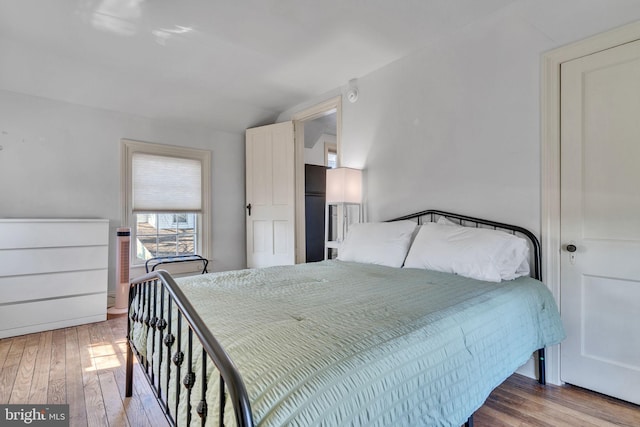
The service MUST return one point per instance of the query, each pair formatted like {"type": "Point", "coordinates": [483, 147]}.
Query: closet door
{"type": "Point", "coordinates": [270, 186]}
{"type": "Point", "coordinates": [600, 221]}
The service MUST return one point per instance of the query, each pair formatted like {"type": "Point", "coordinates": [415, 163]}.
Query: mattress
{"type": "Point", "coordinates": [336, 343]}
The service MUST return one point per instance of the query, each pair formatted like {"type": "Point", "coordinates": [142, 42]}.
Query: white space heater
{"type": "Point", "coordinates": [123, 245]}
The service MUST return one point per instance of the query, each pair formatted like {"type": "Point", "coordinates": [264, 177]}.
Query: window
{"type": "Point", "coordinates": [159, 234]}
{"type": "Point", "coordinates": [330, 155]}
{"type": "Point", "coordinates": [166, 199]}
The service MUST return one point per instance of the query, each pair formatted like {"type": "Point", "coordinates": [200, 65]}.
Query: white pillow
{"type": "Point", "coordinates": [521, 269]}
{"type": "Point", "coordinates": [384, 243]}
{"type": "Point", "coordinates": [478, 253]}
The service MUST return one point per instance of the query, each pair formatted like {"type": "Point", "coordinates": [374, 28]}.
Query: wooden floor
{"type": "Point", "coordinates": [85, 367]}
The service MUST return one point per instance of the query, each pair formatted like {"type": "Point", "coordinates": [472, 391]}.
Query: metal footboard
{"type": "Point", "coordinates": [159, 309]}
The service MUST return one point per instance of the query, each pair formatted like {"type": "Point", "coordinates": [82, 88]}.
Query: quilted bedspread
{"type": "Point", "coordinates": [336, 343]}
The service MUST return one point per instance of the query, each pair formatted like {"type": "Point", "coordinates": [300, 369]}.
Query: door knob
{"type": "Point", "coordinates": [249, 208]}
{"type": "Point", "coordinates": [571, 248]}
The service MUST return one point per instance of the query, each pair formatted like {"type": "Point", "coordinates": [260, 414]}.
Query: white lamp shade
{"type": "Point", "coordinates": [344, 185]}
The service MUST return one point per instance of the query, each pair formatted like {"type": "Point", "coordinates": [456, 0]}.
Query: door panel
{"type": "Point", "coordinates": [270, 192]}
{"type": "Point", "coordinates": [602, 295]}
{"type": "Point", "coordinates": [281, 238]}
{"type": "Point", "coordinates": [600, 215]}
{"type": "Point", "coordinates": [261, 231]}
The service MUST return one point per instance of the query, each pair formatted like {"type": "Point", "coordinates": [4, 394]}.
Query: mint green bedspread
{"type": "Point", "coordinates": [336, 343]}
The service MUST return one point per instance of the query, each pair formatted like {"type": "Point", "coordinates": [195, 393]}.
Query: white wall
{"type": "Point", "coordinates": [62, 160]}
{"type": "Point", "coordinates": [316, 154]}
{"type": "Point", "coordinates": [455, 126]}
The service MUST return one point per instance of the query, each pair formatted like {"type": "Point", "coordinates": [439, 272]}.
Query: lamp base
{"type": "Point", "coordinates": [115, 310]}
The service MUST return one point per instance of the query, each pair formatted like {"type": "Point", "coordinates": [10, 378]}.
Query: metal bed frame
{"type": "Point", "coordinates": [157, 286]}
{"type": "Point", "coordinates": [536, 255]}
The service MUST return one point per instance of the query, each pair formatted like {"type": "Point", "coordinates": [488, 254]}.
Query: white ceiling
{"type": "Point", "coordinates": [227, 64]}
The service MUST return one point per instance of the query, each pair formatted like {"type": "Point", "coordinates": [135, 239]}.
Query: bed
{"type": "Point", "coordinates": [351, 341]}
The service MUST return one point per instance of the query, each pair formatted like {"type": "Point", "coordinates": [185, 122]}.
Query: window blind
{"type": "Point", "coordinates": [166, 184]}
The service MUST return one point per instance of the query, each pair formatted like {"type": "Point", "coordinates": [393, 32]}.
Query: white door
{"type": "Point", "coordinates": [270, 185]}
{"type": "Point", "coordinates": [600, 221]}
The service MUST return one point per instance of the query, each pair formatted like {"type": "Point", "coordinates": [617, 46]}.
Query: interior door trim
{"type": "Point", "coordinates": [310, 113]}
{"type": "Point", "coordinates": [550, 157]}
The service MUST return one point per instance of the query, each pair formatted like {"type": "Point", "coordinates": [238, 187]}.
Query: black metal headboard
{"type": "Point", "coordinates": [468, 221]}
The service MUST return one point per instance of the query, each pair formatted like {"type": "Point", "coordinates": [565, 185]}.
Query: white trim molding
{"type": "Point", "coordinates": [550, 156]}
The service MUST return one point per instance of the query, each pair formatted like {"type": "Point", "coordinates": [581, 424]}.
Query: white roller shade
{"type": "Point", "coordinates": [166, 184]}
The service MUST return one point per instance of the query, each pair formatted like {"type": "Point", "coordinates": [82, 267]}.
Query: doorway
{"type": "Point", "coordinates": [317, 139]}
{"type": "Point", "coordinates": [320, 154]}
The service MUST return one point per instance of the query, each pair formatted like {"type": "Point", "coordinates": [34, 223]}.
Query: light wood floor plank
{"type": "Point", "coordinates": [524, 418]}
{"type": "Point", "coordinates": [152, 410]}
{"type": "Point", "coordinates": [57, 391]}
{"type": "Point", "coordinates": [40, 383]}
{"type": "Point", "coordinates": [73, 375]}
{"type": "Point", "coordinates": [24, 376]}
{"type": "Point", "coordinates": [116, 414]}
{"type": "Point", "coordinates": [5, 345]}
{"type": "Point", "coordinates": [10, 368]}
{"type": "Point", "coordinates": [151, 406]}
{"type": "Point", "coordinates": [132, 405]}
{"type": "Point", "coordinates": [96, 414]}
{"type": "Point", "coordinates": [488, 416]}
{"type": "Point", "coordinates": [57, 388]}
{"type": "Point", "coordinates": [107, 364]}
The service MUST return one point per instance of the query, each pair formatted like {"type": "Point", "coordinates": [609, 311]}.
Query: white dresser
{"type": "Point", "coordinates": [53, 273]}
